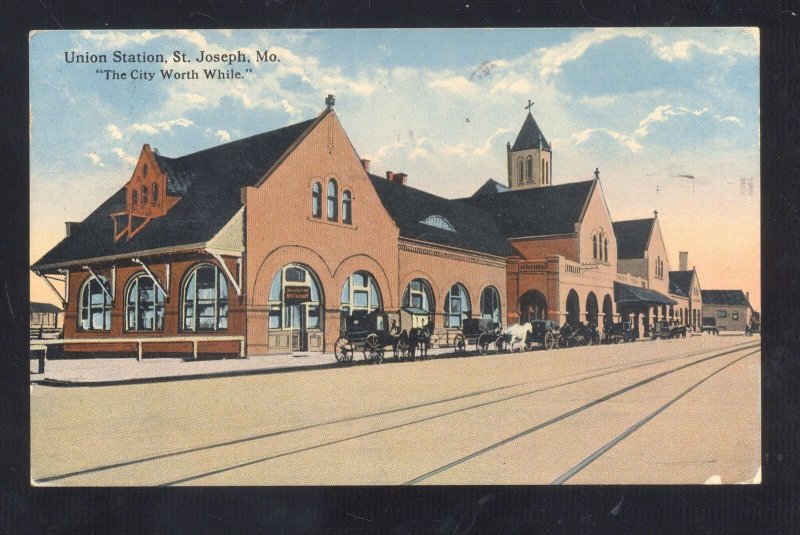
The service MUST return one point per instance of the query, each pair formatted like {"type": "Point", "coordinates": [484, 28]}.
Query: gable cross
{"type": "Point", "coordinates": [655, 213]}
{"type": "Point", "coordinates": [530, 105]}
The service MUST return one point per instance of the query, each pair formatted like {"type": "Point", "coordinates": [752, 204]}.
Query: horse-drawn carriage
{"type": "Point", "coordinates": [372, 332]}
{"type": "Point", "coordinates": [578, 334]}
{"type": "Point", "coordinates": [480, 332]}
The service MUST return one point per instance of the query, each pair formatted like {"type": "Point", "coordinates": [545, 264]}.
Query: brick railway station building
{"type": "Point", "coordinates": [263, 244]}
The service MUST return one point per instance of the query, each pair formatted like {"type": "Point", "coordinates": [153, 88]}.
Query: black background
{"type": "Point", "coordinates": [773, 506]}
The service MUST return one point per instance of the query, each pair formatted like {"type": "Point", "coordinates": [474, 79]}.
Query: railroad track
{"type": "Point", "coordinates": [705, 355]}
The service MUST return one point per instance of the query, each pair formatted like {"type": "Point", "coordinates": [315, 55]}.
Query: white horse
{"type": "Point", "coordinates": [514, 334]}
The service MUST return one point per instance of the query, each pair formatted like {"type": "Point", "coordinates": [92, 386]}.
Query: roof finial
{"type": "Point", "coordinates": [330, 101]}
{"type": "Point", "coordinates": [529, 106]}
{"type": "Point", "coordinates": [655, 213]}
{"type": "Point", "coordinates": [597, 173]}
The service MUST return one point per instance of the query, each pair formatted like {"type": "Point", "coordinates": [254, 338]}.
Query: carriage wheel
{"type": "Point", "coordinates": [482, 345]}
{"type": "Point", "coordinates": [500, 344]}
{"type": "Point", "coordinates": [373, 351]}
{"type": "Point", "coordinates": [528, 345]}
{"type": "Point", "coordinates": [460, 345]}
{"type": "Point", "coordinates": [591, 340]}
{"type": "Point", "coordinates": [343, 350]}
{"type": "Point", "coordinates": [402, 350]}
{"type": "Point", "coordinates": [563, 341]}
{"type": "Point", "coordinates": [550, 341]}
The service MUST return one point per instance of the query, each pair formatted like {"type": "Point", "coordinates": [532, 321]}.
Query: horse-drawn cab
{"type": "Point", "coordinates": [481, 332]}
{"type": "Point", "coordinates": [365, 331]}
{"type": "Point", "coordinates": [417, 326]}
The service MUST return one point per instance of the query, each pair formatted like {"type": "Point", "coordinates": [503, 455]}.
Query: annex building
{"type": "Point", "coordinates": [264, 244]}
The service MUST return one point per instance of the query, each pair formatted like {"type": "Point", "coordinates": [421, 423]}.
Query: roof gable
{"type": "Point", "coordinates": [633, 237]}
{"type": "Point", "coordinates": [490, 187]}
{"type": "Point", "coordinates": [725, 297]}
{"type": "Point", "coordinates": [680, 283]}
{"type": "Point", "coordinates": [530, 136]}
{"type": "Point", "coordinates": [473, 230]}
{"type": "Point", "coordinates": [545, 211]}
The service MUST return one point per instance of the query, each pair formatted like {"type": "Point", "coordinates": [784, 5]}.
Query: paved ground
{"type": "Point", "coordinates": [528, 418]}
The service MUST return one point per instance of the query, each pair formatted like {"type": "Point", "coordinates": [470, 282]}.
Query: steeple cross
{"type": "Point", "coordinates": [530, 105]}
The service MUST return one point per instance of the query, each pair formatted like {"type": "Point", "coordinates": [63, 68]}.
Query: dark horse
{"type": "Point", "coordinates": [420, 338]}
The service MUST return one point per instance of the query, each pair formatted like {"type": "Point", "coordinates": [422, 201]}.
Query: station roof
{"type": "Point", "coordinates": [633, 236]}
{"type": "Point", "coordinates": [725, 298]}
{"type": "Point", "coordinates": [489, 187]}
{"type": "Point", "coordinates": [545, 211]}
{"type": "Point", "coordinates": [680, 282]}
{"type": "Point", "coordinates": [474, 229]}
{"type": "Point", "coordinates": [626, 293]}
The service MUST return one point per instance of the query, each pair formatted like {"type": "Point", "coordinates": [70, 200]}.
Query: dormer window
{"type": "Point", "coordinates": [155, 193]}
{"type": "Point", "coordinates": [144, 195]}
{"type": "Point", "coordinates": [439, 222]}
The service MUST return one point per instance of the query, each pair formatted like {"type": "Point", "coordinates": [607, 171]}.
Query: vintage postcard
{"type": "Point", "coordinates": [390, 257]}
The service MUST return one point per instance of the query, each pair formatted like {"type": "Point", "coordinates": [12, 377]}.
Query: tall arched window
{"type": "Point", "coordinates": [95, 305]}
{"type": "Point", "coordinates": [529, 165]}
{"type": "Point", "coordinates": [542, 169]}
{"type": "Point", "coordinates": [605, 248]}
{"type": "Point", "coordinates": [144, 170]}
{"type": "Point", "coordinates": [347, 207]}
{"type": "Point", "coordinates": [205, 299]}
{"type": "Point", "coordinates": [134, 197]}
{"type": "Point", "coordinates": [316, 200]}
{"type": "Point", "coordinates": [419, 295]}
{"type": "Point", "coordinates": [360, 292]}
{"type": "Point", "coordinates": [490, 304]}
{"type": "Point", "coordinates": [520, 171]}
{"type": "Point", "coordinates": [144, 195]}
{"type": "Point", "coordinates": [154, 189]}
{"type": "Point", "coordinates": [333, 200]}
{"type": "Point", "coordinates": [546, 172]}
{"type": "Point", "coordinates": [144, 305]}
{"type": "Point", "coordinates": [456, 306]}
{"type": "Point", "coordinates": [594, 246]}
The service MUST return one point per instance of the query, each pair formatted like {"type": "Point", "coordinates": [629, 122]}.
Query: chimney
{"type": "Point", "coordinates": [397, 178]}
{"type": "Point", "coordinates": [747, 296]}
{"type": "Point", "coordinates": [683, 262]}
{"type": "Point", "coordinates": [71, 225]}
{"type": "Point", "coordinates": [365, 165]}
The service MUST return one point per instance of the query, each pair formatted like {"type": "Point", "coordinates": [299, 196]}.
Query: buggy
{"type": "Point", "coordinates": [544, 333]}
{"type": "Point", "coordinates": [578, 334]}
{"type": "Point", "coordinates": [370, 333]}
{"type": "Point", "coordinates": [482, 333]}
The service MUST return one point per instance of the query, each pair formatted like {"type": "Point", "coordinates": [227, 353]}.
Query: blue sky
{"type": "Point", "coordinates": [644, 105]}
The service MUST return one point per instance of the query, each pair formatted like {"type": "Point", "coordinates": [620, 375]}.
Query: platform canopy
{"type": "Point", "coordinates": [634, 295]}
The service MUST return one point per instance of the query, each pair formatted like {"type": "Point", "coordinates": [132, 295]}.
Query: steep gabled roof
{"type": "Point", "coordinates": [474, 230]}
{"type": "Point", "coordinates": [633, 237]}
{"type": "Point", "coordinates": [530, 136]}
{"type": "Point", "coordinates": [725, 298]}
{"type": "Point", "coordinates": [209, 183]}
{"type": "Point", "coordinates": [544, 211]}
{"type": "Point", "coordinates": [489, 187]}
{"type": "Point", "coordinates": [680, 282]}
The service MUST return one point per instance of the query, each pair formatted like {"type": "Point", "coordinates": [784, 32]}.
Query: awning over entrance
{"type": "Point", "coordinates": [633, 295]}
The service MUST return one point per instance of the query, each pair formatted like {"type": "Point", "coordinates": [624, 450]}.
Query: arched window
{"type": "Point", "coordinates": [605, 248]}
{"type": "Point", "coordinates": [546, 172]}
{"type": "Point", "coordinates": [134, 197]}
{"type": "Point", "coordinates": [316, 200]}
{"type": "Point", "coordinates": [456, 306]}
{"type": "Point", "coordinates": [205, 299]}
{"type": "Point", "coordinates": [529, 165]}
{"type": "Point", "coordinates": [144, 195]}
{"type": "Point", "coordinates": [95, 305]}
{"type": "Point", "coordinates": [490, 304]}
{"type": "Point", "coordinates": [360, 292]}
{"type": "Point", "coordinates": [144, 170]}
{"type": "Point", "coordinates": [542, 169]}
{"type": "Point", "coordinates": [144, 305]}
{"type": "Point", "coordinates": [520, 170]}
{"type": "Point", "coordinates": [333, 200]}
{"type": "Point", "coordinates": [154, 189]}
{"type": "Point", "coordinates": [594, 246]}
{"type": "Point", "coordinates": [347, 207]}
{"type": "Point", "coordinates": [419, 295]}
{"type": "Point", "coordinates": [292, 313]}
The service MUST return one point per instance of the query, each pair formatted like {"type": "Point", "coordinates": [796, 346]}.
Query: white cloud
{"type": "Point", "coordinates": [114, 131]}
{"type": "Point", "coordinates": [163, 126]}
{"type": "Point", "coordinates": [95, 159]}
{"type": "Point", "coordinates": [660, 115]}
{"type": "Point", "coordinates": [622, 139]}
{"type": "Point", "coordinates": [553, 58]}
{"type": "Point", "coordinates": [458, 85]}
{"type": "Point", "coordinates": [223, 135]}
{"type": "Point", "coordinates": [114, 39]}
{"type": "Point", "coordinates": [124, 156]}
{"type": "Point", "coordinates": [729, 119]}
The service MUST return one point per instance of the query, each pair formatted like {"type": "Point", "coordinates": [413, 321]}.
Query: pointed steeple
{"type": "Point", "coordinates": [530, 136]}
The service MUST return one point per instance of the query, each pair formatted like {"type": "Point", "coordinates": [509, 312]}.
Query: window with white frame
{"type": "Point", "coordinates": [333, 200]}
{"type": "Point", "coordinates": [95, 305]}
{"type": "Point", "coordinates": [144, 305]}
{"type": "Point", "coordinates": [456, 306]}
{"type": "Point", "coordinates": [316, 200]}
{"type": "Point", "coordinates": [419, 295]}
{"type": "Point", "coordinates": [205, 299]}
{"type": "Point", "coordinates": [360, 292]}
{"type": "Point", "coordinates": [490, 304]}
{"type": "Point", "coordinates": [293, 315]}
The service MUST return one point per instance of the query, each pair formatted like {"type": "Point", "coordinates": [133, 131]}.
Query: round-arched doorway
{"type": "Point", "coordinates": [295, 310]}
{"type": "Point", "coordinates": [532, 306]}
{"type": "Point", "coordinates": [573, 308]}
